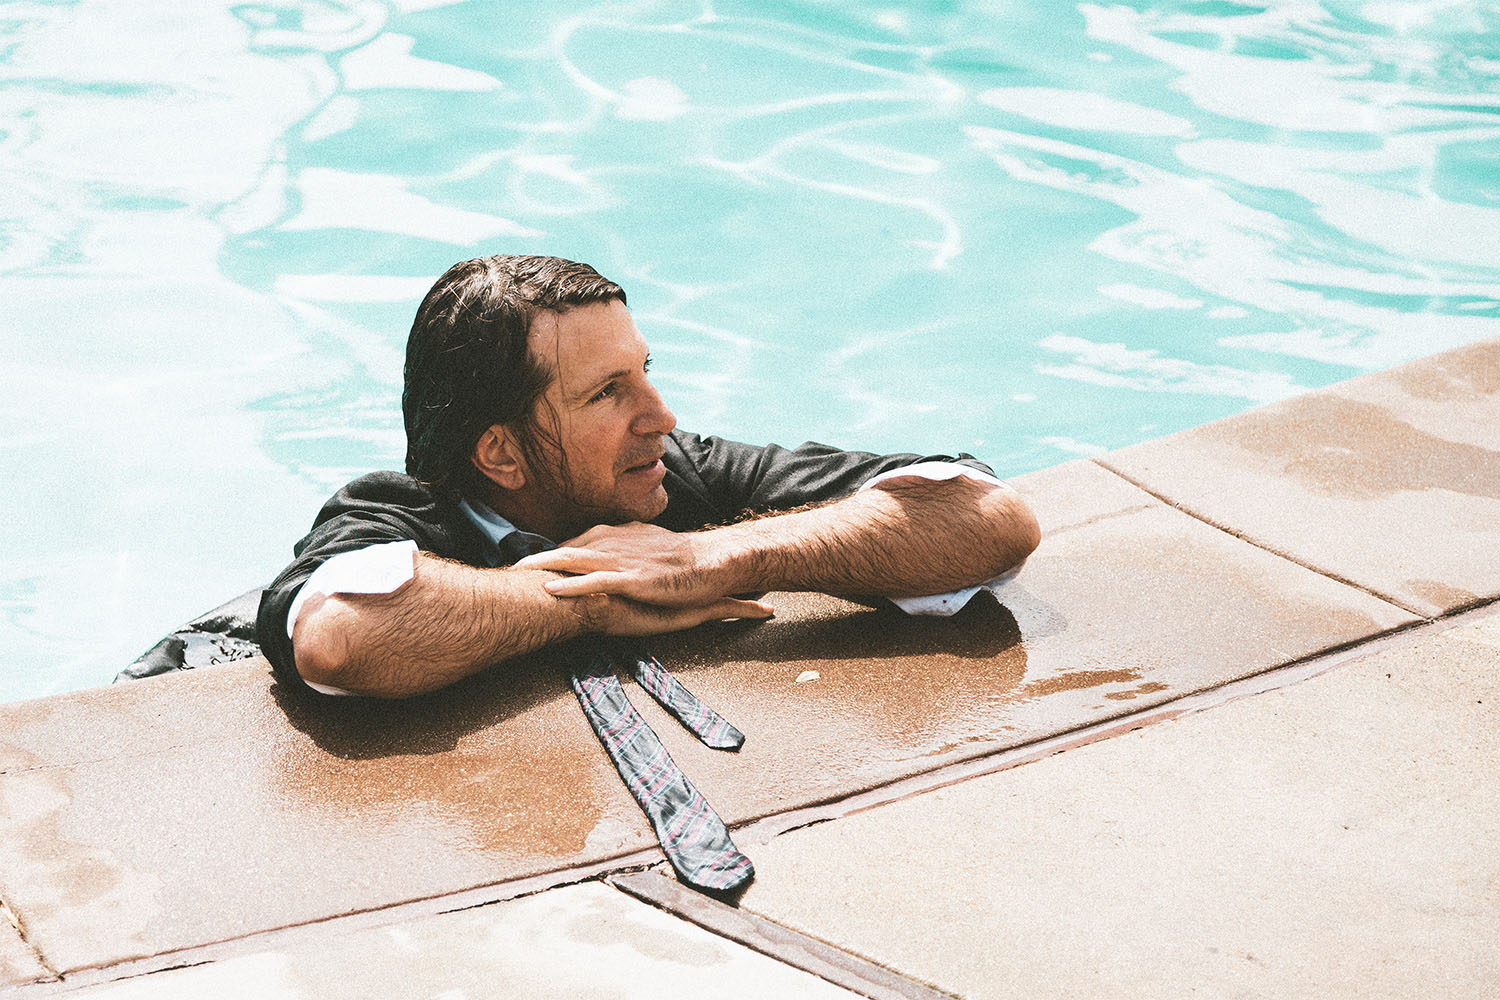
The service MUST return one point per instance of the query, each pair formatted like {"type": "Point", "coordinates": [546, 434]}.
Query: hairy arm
{"type": "Point", "coordinates": [452, 620]}
{"type": "Point", "coordinates": [907, 537]}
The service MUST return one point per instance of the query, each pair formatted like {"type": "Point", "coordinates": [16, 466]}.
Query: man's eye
{"type": "Point", "coordinates": [646, 367]}
{"type": "Point", "coordinates": [603, 394]}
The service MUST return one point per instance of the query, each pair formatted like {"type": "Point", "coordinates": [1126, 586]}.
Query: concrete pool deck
{"type": "Point", "coordinates": [1301, 596]}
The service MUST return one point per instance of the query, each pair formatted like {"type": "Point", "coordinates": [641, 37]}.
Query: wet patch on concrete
{"type": "Point", "coordinates": [503, 765]}
{"type": "Point", "coordinates": [1467, 374]}
{"type": "Point", "coordinates": [1441, 595]}
{"type": "Point", "coordinates": [1390, 482]}
{"type": "Point", "coordinates": [1350, 449]}
{"type": "Point", "coordinates": [72, 885]}
{"type": "Point", "coordinates": [1078, 680]}
{"type": "Point", "coordinates": [1150, 687]}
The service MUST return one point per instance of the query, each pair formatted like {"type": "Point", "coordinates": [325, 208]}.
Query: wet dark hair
{"type": "Point", "coordinates": [467, 366]}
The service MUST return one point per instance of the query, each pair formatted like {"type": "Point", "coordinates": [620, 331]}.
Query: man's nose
{"type": "Point", "coordinates": [655, 417]}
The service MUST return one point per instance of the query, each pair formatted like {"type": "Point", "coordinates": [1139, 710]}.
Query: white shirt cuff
{"type": "Point", "coordinates": [952, 602]}
{"type": "Point", "coordinates": [375, 569]}
{"type": "Point", "coordinates": [933, 470]}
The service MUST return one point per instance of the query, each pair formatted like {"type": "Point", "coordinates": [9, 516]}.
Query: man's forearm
{"type": "Point", "coordinates": [449, 621]}
{"type": "Point", "coordinates": [452, 620]}
{"type": "Point", "coordinates": [900, 540]}
{"type": "Point", "coordinates": [906, 537]}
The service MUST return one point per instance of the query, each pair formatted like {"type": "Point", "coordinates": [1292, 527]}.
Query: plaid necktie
{"type": "Point", "coordinates": [693, 836]}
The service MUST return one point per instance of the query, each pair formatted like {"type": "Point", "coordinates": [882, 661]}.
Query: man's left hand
{"type": "Point", "coordinates": [640, 561]}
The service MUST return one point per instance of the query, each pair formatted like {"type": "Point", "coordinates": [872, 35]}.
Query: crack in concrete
{"type": "Point", "coordinates": [1106, 516]}
{"type": "Point", "coordinates": [86, 762]}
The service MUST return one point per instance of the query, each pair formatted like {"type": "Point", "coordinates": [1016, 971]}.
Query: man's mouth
{"type": "Point", "coordinates": [648, 465]}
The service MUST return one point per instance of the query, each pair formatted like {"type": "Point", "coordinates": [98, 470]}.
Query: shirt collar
{"type": "Point", "coordinates": [504, 543]}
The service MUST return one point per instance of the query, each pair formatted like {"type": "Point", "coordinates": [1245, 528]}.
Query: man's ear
{"type": "Point", "coordinates": [498, 459]}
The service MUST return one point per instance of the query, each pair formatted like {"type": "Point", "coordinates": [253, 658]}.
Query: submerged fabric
{"type": "Point", "coordinates": [226, 633]}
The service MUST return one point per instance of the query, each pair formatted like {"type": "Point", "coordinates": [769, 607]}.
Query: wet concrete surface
{"type": "Point", "coordinates": [178, 811]}
{"type": "Point", "coordinates": [1390, 481]}
{"type": "Point", "coordinates": [222, 819]}
{"type": "Point", "coordinates": [1122, 608]}
{"type": "Point", "coordinates": [1332, 839]}
{"type": "Point", "coordinates": [586, 941]}
{"type": "Point", "coordinates": [194, 808]}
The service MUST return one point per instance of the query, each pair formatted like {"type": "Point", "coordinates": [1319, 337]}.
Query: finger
{"type": "Point", "coordinates": [547, 559]}
{"type": "Point", "coordinates": [566, 560]}
{"type": "Point", "coordinates": [732, 607]}
{"type": "Point", "coordinates": [724, 609]}
{"type": "Point", "coordinates": [601, 582]}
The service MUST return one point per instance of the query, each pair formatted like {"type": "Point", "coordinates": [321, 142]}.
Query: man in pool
{"type": "Point", "coordinates": [531, 420]}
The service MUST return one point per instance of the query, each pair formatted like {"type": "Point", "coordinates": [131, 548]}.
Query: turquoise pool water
{"type": "Point", "coordinates": [1031, 231]}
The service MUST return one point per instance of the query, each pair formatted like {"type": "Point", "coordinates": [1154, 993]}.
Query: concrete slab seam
{"type": "Point", "coordinates": [15, 921]}
{"type": "Point", "coordinates": [380, 916]}
{"type": "Point", "coordinates": [64, 985]}
{"type": "Point", "coordinates": [1247, 539]}
{"type": "Point", "coordinates": [790, 947]}
{"type": "Point", "coordinates": [767, 828]}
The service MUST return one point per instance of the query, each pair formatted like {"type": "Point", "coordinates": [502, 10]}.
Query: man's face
{"type": "Point", "coordinates": [610, 420]}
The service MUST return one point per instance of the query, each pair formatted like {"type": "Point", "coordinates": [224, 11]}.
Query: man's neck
{"type": "Point", "coordinates": [532, 514]}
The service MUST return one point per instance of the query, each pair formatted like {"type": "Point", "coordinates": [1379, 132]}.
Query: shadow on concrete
{"type": "Point", "coordinates": [984, 629]}
{"type": "Point", "coordinates": [369, 728]}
